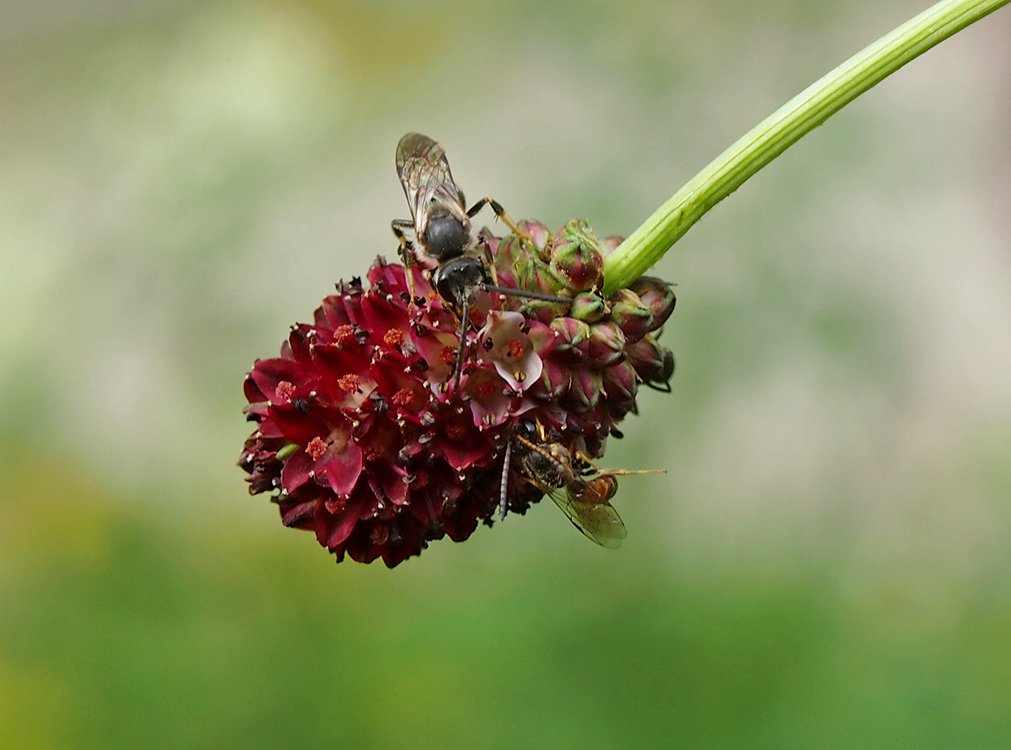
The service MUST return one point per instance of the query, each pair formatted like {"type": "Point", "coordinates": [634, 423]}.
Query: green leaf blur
{"type": "Point", "coordinates": [826, 564]}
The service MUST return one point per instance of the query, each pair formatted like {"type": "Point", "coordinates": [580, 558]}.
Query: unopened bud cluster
{"type": "Point", "coordinates": [596, 352]}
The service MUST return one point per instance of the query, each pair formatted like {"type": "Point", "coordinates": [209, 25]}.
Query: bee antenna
{"type": "Point", "coordinates": [525, 293]}
{"type": "Point", "coordinates": [503, 498]}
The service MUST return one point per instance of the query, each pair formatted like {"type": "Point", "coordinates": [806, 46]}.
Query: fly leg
{"type": "Point", "coordinates": [593, 468]}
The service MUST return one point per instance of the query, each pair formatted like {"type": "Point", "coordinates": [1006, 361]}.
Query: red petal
{"type": "Point", "coordinates": [340, 470]}
{"type": "Point", "coordinates": [292, 425]}
{"type": "Point", "coordinates": [296, 471]}
{"type": "Point", "coordinates": [391, 482]}
{"type": "Point", "coordinates": [334, 529]}
{"type": "Point", "coordinates": [269, 372]}
{"type": "Point", "coordinates": [299, 515]}
{"type": "Point", "coordinates": [461, 454]}
{"type": "Point", "coordinates": [382, 315]}
{"type": "Point", "coordinates": [332, 313]}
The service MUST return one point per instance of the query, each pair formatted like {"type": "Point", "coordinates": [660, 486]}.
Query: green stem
{"type": "Point", "coordinates": [771, 137]}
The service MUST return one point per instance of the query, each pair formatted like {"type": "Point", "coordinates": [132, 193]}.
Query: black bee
{"type": "Point", "coordinates": [439, 232]}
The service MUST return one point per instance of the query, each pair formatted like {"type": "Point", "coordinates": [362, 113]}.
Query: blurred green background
{"type": "Point", "coordinates": [827, 562]}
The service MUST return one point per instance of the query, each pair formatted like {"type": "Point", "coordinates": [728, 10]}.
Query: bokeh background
{"type": "Point", "coordinates": [827, 562]}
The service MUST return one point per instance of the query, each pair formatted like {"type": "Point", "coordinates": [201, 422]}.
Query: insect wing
{"type": "Point", "coordinates": [598, 521]}
{"type": "Point", "coordinates": [424, 173]}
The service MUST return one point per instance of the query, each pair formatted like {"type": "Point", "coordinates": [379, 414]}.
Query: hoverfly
{"type": "Point", "coordinates": [550, 466]}
{"type": "Point", "coordinates": [440, 231]}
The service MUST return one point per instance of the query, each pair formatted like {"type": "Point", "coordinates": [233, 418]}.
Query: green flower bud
{"type": "Point", "coordinates": [553, 382]}
{"type": "Point", "coordinates": [576, 260]}
{"type": "Point", "coordinates": [585, 390]}
{"type": "Point", "coordinates": [653, 363]}
{"type": "Point", "coordinates": [571, 335]}
{"type": "Point", "coordinates": [607, 344]}
{"type": "Point", "coordinates": [542, 338]}
{"type": "Point", "coordinates": [631, 314]}
{"type": "Point", "coordinates": [658, 295]}
{"type": "Point", "coordinates": [620, 385]}
{"type": "Point", "coordinates": [535, 276]}
{"type": "Point", "coordinates": [537, 232]}
{"type": "Point", "coordinates": [587, 306]}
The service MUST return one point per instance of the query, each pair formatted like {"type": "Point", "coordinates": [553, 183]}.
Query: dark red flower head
{"type": "Point", "coordinates": [362, 436]}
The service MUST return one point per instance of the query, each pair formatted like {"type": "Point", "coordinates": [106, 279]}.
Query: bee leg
{"type": "Point", "coordinates": [490, 263]}
{"type": "Point", "coordinates": [398, 226]}
{"type": "Point", "coordinates": [499, 212]}
{"type": "Point", "coordinates": [406, 252]}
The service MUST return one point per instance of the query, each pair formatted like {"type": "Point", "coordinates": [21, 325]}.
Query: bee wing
{"type": "Point", "coordinates": [599, 522]}
{"type": "Point", "coordinates": [424, 173]}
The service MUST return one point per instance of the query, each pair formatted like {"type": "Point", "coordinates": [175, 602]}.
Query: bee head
{"type": "Point", "coordinates": [458, 278]}
{"type": "Point", "coordinates": [446, 235]}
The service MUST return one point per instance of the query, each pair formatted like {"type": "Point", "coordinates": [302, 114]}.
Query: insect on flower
{"type": "Point", "coordinates": [439, 234]}
{"type": "Point", "coordinates": [355, 437]}
{"type": "Point", "coordinates": [549, 466]}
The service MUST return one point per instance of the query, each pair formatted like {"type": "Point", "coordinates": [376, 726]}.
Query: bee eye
{"type": "Point", "coordinates": [445, 237]}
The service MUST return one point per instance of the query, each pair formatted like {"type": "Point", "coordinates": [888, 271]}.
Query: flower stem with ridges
{"type": "Point", "coordinates": [771, 137]}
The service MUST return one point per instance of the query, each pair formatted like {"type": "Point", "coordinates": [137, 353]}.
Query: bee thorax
{"type": "Point", "coordinates": [445, 236]}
